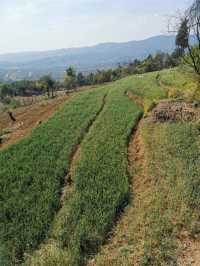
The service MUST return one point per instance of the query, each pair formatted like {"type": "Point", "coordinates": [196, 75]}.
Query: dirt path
{"type": "Point", "coordinates": [27, 118]}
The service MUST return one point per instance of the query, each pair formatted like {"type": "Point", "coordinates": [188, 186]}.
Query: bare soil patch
{"type": "Point", "coordinates": [27, 118]}
{"type": "Point", "coordinates": [175, 111]}
{"type": "Point", "coordinates": [189, 250]}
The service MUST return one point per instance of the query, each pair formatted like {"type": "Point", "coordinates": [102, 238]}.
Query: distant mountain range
{"type": "Point", "coordinates": [32, 65]}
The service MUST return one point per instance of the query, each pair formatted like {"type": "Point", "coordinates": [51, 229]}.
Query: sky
{"type": "Point", "coordinates": [37, 25]}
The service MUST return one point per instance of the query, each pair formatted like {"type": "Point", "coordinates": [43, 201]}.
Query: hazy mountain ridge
{"type": "Point", "coordinates": [31, 65]}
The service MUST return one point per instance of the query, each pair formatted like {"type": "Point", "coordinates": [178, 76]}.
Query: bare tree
{"type": "Point", "coordinates": [190, 26]}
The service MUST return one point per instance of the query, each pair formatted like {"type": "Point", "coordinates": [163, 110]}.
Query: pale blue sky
{"type": "Point", "coordinates": [52, 24]}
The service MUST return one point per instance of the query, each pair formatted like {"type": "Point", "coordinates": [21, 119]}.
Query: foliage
{"type": "Point", "coordinates": [146, 86]}
{"type": "Point", "coordinates": [19, 88]}
{"type": "Point", "coordinates": [47, 83]}
{"type": "Point", "coordinates": [70, 79]}
{"type": "Point", "coordinates": [181, 83]}
{"type": "Point", "coordinates": [190, 25]}
{"type": "Point", "coordinates": [32, 173]}
{"type": "Point", "coordinates": [150, 64]}
{"type": "Point", "coordinates": [182, 37]}
{"type": "Point", "coordinates": [81, 79]}
{"type": "Point", "coordinates": [101, 186]}
{"type": "Point", "coordinates": [71, 72]}
{"type": "Point", "coordinates": [101, 179]}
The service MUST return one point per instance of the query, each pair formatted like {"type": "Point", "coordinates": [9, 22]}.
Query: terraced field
{"type": "Point", "coordinates": [63, 189]}
{"type": "Point", "coordinates": [33, 173]}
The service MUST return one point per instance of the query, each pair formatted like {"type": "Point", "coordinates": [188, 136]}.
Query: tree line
{"type": "Point", "coordinates": [151, 63]}
{"type": "Point", "coordinates": [73, 80]}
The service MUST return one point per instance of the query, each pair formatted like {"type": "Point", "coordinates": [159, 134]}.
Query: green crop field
{"type": "Point", "coordinates": [38, 228]}
{"type": "Point", "coordinates": [33, 172]}
{"type": "Point", "coordinates": [101, 177]}
{"type": "Point", "coordinates": [101, 181]}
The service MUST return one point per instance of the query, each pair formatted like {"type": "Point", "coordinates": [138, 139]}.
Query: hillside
{"type": "Point", "coordinates": [32, 65]}
{"type": "Point", "coordinates": [112, 178]}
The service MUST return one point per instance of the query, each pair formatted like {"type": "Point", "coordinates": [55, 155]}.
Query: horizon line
{"type": "Point", "coordinates": [87, 46]}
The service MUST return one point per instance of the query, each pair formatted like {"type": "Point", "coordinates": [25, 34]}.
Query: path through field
{"type": "Point", "coordinates": [27, 118]}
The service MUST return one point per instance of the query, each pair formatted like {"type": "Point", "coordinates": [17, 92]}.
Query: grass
{"type": "Point", "coordinates": [172, 153]}
{"type": "Point", "coordinates": [101, 178]}
{"type": "Point", "coordinates": [180, 83]}
{"type": "Point", "coordinates": [165, 200]}
{"type": "Point", "coordinates": [33, 173]}
{"type": "Point", "coordinates": [72, 233]}
{"type": "Point", "coordinates": [101, 183]}
{"type": "Point", "coordinates": [4, 134]}
{"type": "Point", "coordinates": [166, 187]}
{"type": "Point", "coordinates": [146, 86]}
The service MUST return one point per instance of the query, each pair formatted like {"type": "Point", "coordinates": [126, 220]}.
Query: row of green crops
{"type": "Point", "coordinates": [101, 178]}
{"type": "Point", "coordinates": [32, 173]}
{"type": "Point", "coordinates": [147, 86]}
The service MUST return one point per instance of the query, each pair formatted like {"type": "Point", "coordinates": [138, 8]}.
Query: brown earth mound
{"type": "Point", "coordinates": [175, 112]}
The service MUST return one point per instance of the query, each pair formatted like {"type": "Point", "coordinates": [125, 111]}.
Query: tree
{"type": "Point", "coordinates": [182, 37]}
{"type": "Point", "coordinates": [190, 25]}
{"type": "Point", "coordinates": [71, 72]}
{"type": "Point", "coordinates": [90, 79]}
{"type": "Point", "coordinates": [81, 79]}
{"type": "Point", "coordinates": [5, 90]}
{"type": "Point", "coordinates": [70, 79]}
{"type": "Point", "coordinates": [47, 83]}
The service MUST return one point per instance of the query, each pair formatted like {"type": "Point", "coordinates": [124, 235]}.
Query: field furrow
{"type": "Point", "coordinates": [101, 178]}
{"type": "Point", "coordinates": [33, 174]}
{"type": "Point", "coordinates": [76, 152]}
